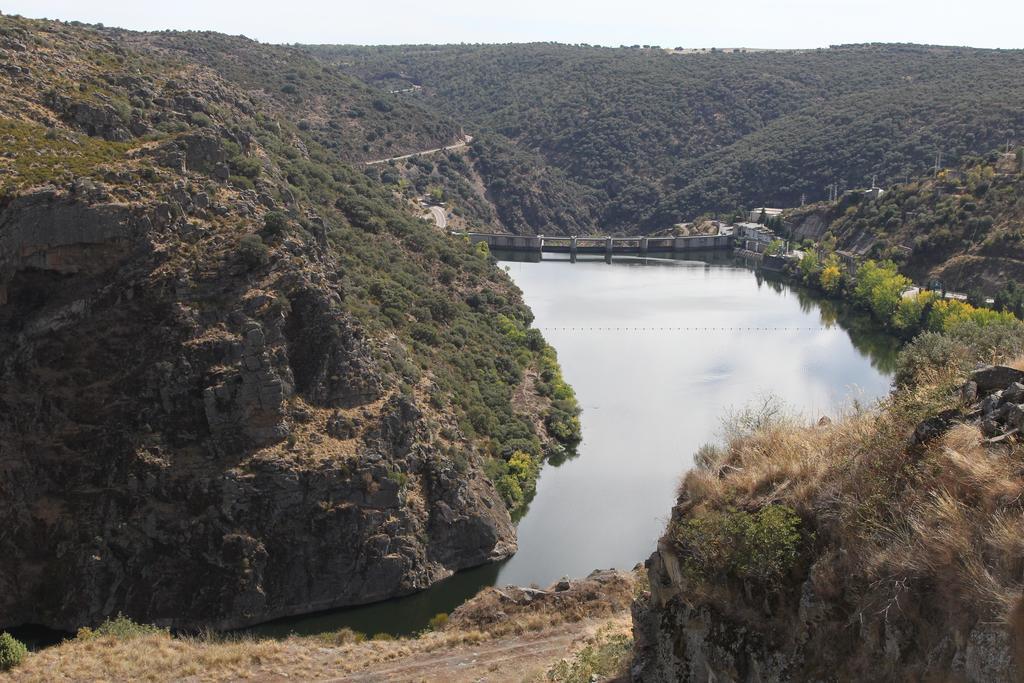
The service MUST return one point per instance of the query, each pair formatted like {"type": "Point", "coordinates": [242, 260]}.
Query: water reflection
{"type": "Point", "coordinates": [657, 350]}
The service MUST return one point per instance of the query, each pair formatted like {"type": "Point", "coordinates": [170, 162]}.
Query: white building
{"type": "Point", "coordinates": [755, 214]}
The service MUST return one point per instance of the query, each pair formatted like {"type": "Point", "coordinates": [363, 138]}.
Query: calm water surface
{"type": "Point", "coordinates": [658, 353]}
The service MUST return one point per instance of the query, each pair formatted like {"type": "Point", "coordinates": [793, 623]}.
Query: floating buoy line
{"type": "Point", "coordinates": [684, 329]}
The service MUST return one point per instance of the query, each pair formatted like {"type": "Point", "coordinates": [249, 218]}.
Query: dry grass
{"type": "Point", "coordinates": [940, 523]}
{"type": "Point", "coordinates": [487, 617]}
{"type": "Point", "coordinates": [155, 658]}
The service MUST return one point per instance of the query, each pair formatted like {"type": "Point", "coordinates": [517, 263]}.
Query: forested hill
{"type": "Point", "coordinates": [640, 139]}
{"type": "Point", "coordinates": [964, 227]}
{"type": "Point", "coordinates": [345, 116]}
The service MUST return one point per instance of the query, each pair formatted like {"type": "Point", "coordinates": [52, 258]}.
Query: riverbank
{"type": "Point", "coordinates": [569, 632]}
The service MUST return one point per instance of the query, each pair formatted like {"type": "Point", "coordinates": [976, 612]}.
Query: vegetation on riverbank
{"type": "Point", "coordinates": [878, 288]}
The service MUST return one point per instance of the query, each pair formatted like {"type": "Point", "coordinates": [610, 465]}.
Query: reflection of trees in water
{"type": "Point", "coordinates": [879, 347]}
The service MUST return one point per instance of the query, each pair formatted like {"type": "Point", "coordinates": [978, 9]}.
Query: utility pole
{"type": "Point", "coordinates": [938, 160]}
{"type": "Point", "coordinates": [803, 198]}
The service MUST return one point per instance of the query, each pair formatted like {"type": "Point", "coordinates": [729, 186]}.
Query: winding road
{"type": "Point", "coordinates": [466, 139]}
{"type": "Point", "coordinates": [439, 215]}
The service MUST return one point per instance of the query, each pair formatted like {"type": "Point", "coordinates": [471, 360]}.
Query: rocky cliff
{"type": "Point", "coordinates": [238, 380]}
{"type": "Point", "coordinates": [884, 546]}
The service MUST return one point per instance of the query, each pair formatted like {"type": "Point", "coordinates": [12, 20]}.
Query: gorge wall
{"type": "Point", "coordinates": [239, 379]}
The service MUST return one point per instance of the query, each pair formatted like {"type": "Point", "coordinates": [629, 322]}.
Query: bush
{"type": "Point", "coordinates": [274, 224]}
{"type": "Point", "coordinates": [510, 490]}
{"type": "Point", "coordinates": [253, 251]}
{"type": "Point", "coordinates": [246, 167]}
{"type": "Point", "coordinates": [438, 621]}
{"type": "Point", "coordinates": [200, 119]}
{"type": "Point", "coordinates": [120, 627]}
{"type": "Point", "coordinates": [761, 546]}
{"type": "Point", "coordinates": [606, 659]}
{"type": "Point", "coordinates": [12, 651]}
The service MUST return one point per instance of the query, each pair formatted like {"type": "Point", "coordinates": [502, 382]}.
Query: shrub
{"type": "Point", "coordinates": [606, 659]}
{"type": "Point", "coordinates": [438, 621]}
{"type": "Point", "coordinates": [200, 119]}
{"type": "Point", "coordinates": [246, 167]}
{"type": "Point", "coordinates": [274, 224]}
{"type": "Point", "coordinates": [12, 651]}
{"type": "Point", "coordinates": [511, 492]}
{"type": "Point", "coordinates": [761, 546]}
{"type": "Point", "coordinates": [120, 627]}
{"type": "Point", "coordinates": [253, 251]}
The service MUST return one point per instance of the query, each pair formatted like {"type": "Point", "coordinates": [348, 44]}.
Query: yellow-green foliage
{"type": "Point", "coordinates": [831, 276]}
{"type": "Point", "coordinates": [438, 621]}
{"type": "Point", "coordinates": [516, 478]}
{"type": "Point", "coordinates": [562, 419]}
{"type": "Point", "coordinates": [120, 627]}
{"type": "Point", "coordinates": [34, 155]}
{"type": "Point", "coordinates": [12, 651]}
{"type": "Point", "coordinates": [947, 314]}
{"type": "Point", "coordinates": [879, 288]}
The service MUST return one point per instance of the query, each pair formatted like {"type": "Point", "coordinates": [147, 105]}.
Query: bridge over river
{"type": "Point", "coordinates": [600, 245]}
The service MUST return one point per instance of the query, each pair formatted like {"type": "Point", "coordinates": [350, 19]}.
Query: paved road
{"type": "Point", "coordinates": [439, 215]}
{"type": "Point", "coordinates": [465, 141]}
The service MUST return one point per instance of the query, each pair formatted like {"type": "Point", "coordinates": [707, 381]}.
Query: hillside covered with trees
{"type": "Point", "coordinates": [964, 227]}
{"type": "Point", "coordinates": [635, 140]}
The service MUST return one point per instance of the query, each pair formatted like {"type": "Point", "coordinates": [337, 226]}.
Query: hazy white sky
{"type": "Point", "coordinates": [707, 23]}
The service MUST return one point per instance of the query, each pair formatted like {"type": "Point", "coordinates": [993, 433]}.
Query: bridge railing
{"type": "Point", "coordinates": [598, 243]}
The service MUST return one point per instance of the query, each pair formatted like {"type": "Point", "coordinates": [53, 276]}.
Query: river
{"type": "Point", "coordinates": [659, 353]}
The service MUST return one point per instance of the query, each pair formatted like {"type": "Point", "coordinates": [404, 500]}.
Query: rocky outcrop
{"type": "Point", "coordinates": [238, 379]}
{"type": "Point", "coordinates": [176, 464]}
{"type": "Point", "coordinates": [811, 639]}
{"type": "Point", "coordinates": [816, 623]}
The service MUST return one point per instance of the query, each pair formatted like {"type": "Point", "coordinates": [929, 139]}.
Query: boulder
{"type": "Point", "coordinates": [994, 377]}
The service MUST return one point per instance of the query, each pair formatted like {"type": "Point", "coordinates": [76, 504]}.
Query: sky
{"type": "Point", "coordinates": [668, 23]}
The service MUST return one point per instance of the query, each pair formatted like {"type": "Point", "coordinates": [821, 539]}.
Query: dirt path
{"type": "Point", "coordinates": [465, 141]}
{"type": "Point", "coordinates": [511, 659]}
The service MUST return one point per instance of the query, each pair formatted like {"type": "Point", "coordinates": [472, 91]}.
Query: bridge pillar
{"type": "Point", "coordinates": [572, 248]}
{"type": "Point", "coordinates": [643, 246]}
{"type": "Point", "coordinates": [540, 246]}
{"type": "Point", "coordinates": [608, 246]}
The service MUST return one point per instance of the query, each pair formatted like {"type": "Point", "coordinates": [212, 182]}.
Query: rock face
{"type": "Point", "coordinates": [146, 464]}
{"type": "Point", "coordinates": [811, 640]}
{"type": "Point", "coordinates": [211, 415]}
